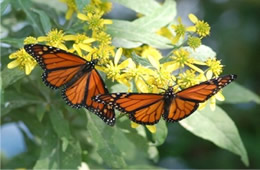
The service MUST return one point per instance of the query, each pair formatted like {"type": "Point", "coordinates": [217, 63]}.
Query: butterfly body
{"type": "Point", "coordinates": [147, 108]}
{"type": "Point", "coordinates": [77, 77]}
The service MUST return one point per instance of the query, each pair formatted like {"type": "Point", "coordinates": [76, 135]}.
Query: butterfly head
{"type": "Point", "coordinates": [93, 62]}
{"type": "Point", "coordinates": [169, 92]}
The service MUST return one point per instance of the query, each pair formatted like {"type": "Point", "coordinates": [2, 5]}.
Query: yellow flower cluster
{"type": "Point", "coordinates": [92, 16]}
{"type": "Point", "coordinates": [191, 35]}
{"type": "Point", "coordinates": [180, 69]}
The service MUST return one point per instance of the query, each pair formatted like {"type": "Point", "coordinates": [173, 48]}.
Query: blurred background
{"type": "Point", "coordinates": [234, 37]}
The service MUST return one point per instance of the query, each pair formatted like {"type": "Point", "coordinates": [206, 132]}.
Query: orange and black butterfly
{"type": "Point", "coordinates": [147, 108]}
{"type": "Point", "coordinates": [77, 77]}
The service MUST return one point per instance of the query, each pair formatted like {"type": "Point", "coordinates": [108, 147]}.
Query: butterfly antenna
{"type": "Point", "coordinates": [161, 88]}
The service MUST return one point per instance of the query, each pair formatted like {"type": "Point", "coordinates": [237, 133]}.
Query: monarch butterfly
{"type": "Point", "coordinates": [78, 78]}
{"type": "Point", "coordinates": [147, 108]}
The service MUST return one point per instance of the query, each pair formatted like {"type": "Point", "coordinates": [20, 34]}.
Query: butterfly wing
{"type": "Point", "coordinates": [78, 77]}
{"type": "Point", "coordinates": [142, 108]}
{"type": "Point", "coordinates": [187, 101]}
{"type": "Point", "coordinates": [179, 109]}
{"type": "Point", "coordinates": [59, 66]}
{"type": "Point", "coordinates": [203, 91]}
{"type": "Point", "coordinates": [95, 86]}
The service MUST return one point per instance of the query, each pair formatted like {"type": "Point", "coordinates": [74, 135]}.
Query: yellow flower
{"type": "Point", "coordinates": [102, 53]}
{"type": "Point", "coordinates": [180, 30]}
{"type": "Point", "coordinates": [150, 51]}
{"type": "Point", "coordinates": [71, 8]}
{"type": "Point", "coordinates": [162, 76]}
{"type": "Point", "coordinates": [113, 70]}
{"type": "Point", "coordinates": [103, 38]}
{"type": "Point", "coordinates": [54, 38]}
{"type": "Point", "coordinates": [140, 75]}
{"type": "Point", "coordinates": [30, 40]}
{"type": "Point", "coordinates": [202, 28]}
{"type": "Point", "coordinates": [23, 60]}
{"type": "Point", "coordinates": [194, 42]}
{"type": "Point", "coordinates": [164, 31]}
{"type": "Point", "coordinates": [91, 8]}
{"type": "Point", "coordinates": [215, 68]}
{"type": "Point", "coordinates": [95, 21]}
{"type": "Point", "coordinates": [97, 6]}
{"type": "Point", "coordinates": [189, 78]}
{"type": "Point", "coordinates": [81, 42]}
{"type": "Point", "coordinates": [151, 128]}
{"type": "Point", "coordinates": [181, 58]}
{"type": "Point", "coordinates": [103, 6]}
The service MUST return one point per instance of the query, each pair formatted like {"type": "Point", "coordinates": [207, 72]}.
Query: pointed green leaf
{"type": "Point", "coordinates": [52, 156]}
{"type": "Point", "coordinates": [129, 31]}
{"type": "Point", "coordinates": [202, 53]}
{"type": "Point", "coordinates": [161, 133]}
{"type": "Point", "coordinates": [3, 6]}
{"type": "Point", "coordinates": [235, 93]}
{"type": "Point", "coordinates": [31, 16]}
{"type": "Point", "coordinates": [10, 76]}
{"type": "Point", "coordinates": [103, 137]}
{"type": "Point", "coordinates": [145, 7]}
{"type": "Point", "coordinates": [59, 124]}
{"type": "Point", "coordinates": [218, 128]}
{"type": "Point", "coordinates": [14, 42]}
{"type": "Point", "coordinates": [119, 42]}
{"type": "Point", "coordinates": [40, 111]}
{"type": "Point", "coordinates": [158, 18]}
{"type": "Point", "coordinates": [13, 100]}
{"type": "Point", "coordinates": [45, 20]}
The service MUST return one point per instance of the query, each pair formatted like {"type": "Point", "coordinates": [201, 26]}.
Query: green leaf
{"type": "Point", "coordinates": [218, 128]}
{"type": "Point", "coordinates": [235, 93]}
{"type": "Point", "coordinates": [145, 7]}
{"type": "Point", "coordinates": [141, 60]}
{"type": "Point", "coordinates": [32, 18]}
{"type": "Point", "coordinates": [161, 133]}
{"type": "Point", "coordinates": [81, 4]}
{"type": "Point", "coordinates": [59, 124]}
{"type": "Point", "coordinates": [131, 32]}
{"type": "Point", "coordinates": [138, 145]}
{"type": "Point", "coordinates": [153, 153]}
{"type": "Point", "coordinates": [52, 156]}
{"type": "Point", "coordinates": [158, 18]}
{"type": "Point", "coordinates": [13, 100]}
{"type": "Point", "coordinates": [10, 76]}
{"type": "Point", "coordinates": [40, 111]}
{"type": "Point", "coordinates": [119, 87]}
{"type": "Point", "coordinates": [14, 42]}
{"type": "Point", "coordinates": [45, 20]}
{"type": "Point", "coordinates": [3, 6]}
{"type": "Point", "coordinates": [103, 137]}
{"type": "Point", "coordinates": [202, 53]}
{"type": "Point", "coordinates": [119, 42]}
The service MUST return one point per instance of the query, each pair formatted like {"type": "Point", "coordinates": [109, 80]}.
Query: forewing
{"type": "Point", "coordinates": [203, 91]}
{"type": "Point", "coordinates": [59, 66]}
